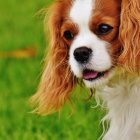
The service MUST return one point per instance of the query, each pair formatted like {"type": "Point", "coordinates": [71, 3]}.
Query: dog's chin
{"type": "Point", "coordinates": [95, 79]}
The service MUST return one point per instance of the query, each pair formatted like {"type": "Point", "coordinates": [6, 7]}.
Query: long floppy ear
{"type": "Point", "coordinates": [130, 35]}
{"type": "Point", "coordinates": [57, 81]}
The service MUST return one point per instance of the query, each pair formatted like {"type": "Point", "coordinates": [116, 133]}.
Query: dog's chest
{"type": "Point", "coordinates": [123, 103]}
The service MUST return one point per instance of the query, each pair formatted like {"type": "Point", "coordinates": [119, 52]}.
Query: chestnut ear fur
{"type": "Point", "coordinates": [130, 36]}
{"type": "Point", "coordinates": [57, 80]}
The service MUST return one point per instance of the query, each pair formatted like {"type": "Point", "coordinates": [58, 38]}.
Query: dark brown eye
{"type": "Point", "coordinates": [103, 29]}
{"type": "Point", "coordinates": [68, 35]}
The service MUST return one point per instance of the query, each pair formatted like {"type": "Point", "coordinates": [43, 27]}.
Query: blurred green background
{"type": "Point", "coordinates": [21, 27]}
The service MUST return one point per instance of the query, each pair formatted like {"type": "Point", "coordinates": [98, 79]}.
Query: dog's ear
{"type": "Point", "coordinates": [130, 35]}
{"type": "Point", "coordinates": [57, 81]}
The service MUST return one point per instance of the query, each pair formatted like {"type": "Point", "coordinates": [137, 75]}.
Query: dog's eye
{"type": "Point", "coordinates": [103, 29]}
{"type": "Point", "coordinates": [68, 35]}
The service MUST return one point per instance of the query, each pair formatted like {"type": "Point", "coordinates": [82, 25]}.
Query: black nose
{"type": "Point", "coordinates": [82, 54]}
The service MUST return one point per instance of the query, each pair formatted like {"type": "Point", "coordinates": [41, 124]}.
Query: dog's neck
{"type": "Point", "coordinates": [122, 97]}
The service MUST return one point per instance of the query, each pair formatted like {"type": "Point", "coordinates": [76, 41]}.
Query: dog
{"type": "Point", "coordinates": [97, 42]}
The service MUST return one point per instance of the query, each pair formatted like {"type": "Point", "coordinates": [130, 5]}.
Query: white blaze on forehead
{"type": "Point", "coordinates": [81, 11]}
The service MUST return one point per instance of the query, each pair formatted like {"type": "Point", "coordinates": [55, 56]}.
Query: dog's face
{"type": "Point", "coordinates": [91, 34]}
{"type": "Point", "coordinates": [89, 39]}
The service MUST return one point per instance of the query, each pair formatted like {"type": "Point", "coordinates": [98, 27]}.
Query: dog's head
{"type": "Point", "coordinates": [89, 39]}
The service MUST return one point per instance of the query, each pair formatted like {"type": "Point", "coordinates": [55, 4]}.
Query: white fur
{"type": "Point", "coordinates": [100, 61]}
{"type": "Point", "coordinates": [122, 97]}
{"type": "Point", "coordinates": [122, 93]}
{"type": "Point", "coordinates": [81, 12]}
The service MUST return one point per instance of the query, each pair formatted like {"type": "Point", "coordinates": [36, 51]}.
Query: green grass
{"type": "Point", "coordinates": [20, 28]}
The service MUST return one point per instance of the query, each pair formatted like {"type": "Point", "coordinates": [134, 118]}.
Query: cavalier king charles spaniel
{"type": "Point", "coordinates": [97, 42]}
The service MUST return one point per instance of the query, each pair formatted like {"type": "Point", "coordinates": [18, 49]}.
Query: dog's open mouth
{"type": "Point", "coordinates": [91, 75]}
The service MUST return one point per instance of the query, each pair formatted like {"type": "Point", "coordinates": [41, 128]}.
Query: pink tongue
{"type": "Point", "coordinates": [90, 75]}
